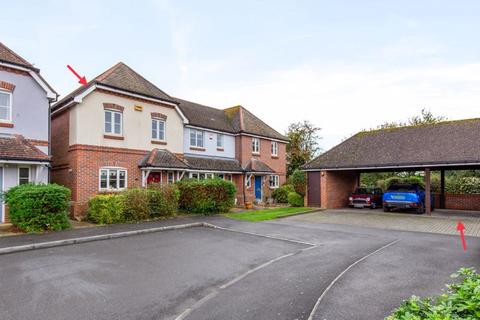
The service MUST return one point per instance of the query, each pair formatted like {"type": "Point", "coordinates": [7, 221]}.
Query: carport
{"type": "Point", "coordinates": [449, 145]}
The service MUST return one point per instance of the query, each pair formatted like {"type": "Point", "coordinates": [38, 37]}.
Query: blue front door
{"type": "Point", "coordinates": [258, 187]}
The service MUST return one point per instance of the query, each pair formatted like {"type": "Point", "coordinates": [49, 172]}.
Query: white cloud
{"type": "Point", "coordinates": [345, 99]}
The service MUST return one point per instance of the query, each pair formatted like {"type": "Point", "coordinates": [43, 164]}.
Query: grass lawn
{"type": "Point", "coordinates": [267, 214]}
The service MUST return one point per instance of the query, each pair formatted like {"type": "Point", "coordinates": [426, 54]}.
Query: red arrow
{"type": "Point", "coordinates": [461, 229]}
{"type": "Point", "coordinates": [81, 80]}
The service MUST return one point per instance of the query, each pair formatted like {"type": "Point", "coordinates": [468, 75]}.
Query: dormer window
{"type": "Point", "coordinates": [5, 106]}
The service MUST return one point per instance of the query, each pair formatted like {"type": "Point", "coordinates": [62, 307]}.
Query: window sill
{"type": "Point", "coordinates": [274, 157]}
{"type": "Point", "coordinates": [220, 149]}
{"type": "Point", "coordinates": [159, 142]}
{"type": "Point", "coordinates": [110, 190]}
{"type": "Point", "coordinates": [256, 154]}
{"type": "Point", "coordinates": [197, 149]}
{"type": "Point", "coordinates": [108, 136]}
{"type": "Point", "coordinates": [6, 124]}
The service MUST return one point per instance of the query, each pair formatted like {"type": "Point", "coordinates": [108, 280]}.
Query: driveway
{"type": "Point", "coordinates": [254, 272]}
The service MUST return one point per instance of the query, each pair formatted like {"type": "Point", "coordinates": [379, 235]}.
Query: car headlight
{"type": "Point", "coordinates": [368, 199]}
{"type": "Point", "coordinates": [350, 198]}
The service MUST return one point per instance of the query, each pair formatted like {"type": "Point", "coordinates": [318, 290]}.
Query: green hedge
{"type": "Point", "coordinates": [41, 207]}
{"type": "Point", "coordinates": [295, 199]}
{"type": "Point", "coordinates": [460, 301]}
{"type": "Point", "coordinates": [134, 204]}
{"type": "Point", "coordinates": [206, 196]}
{"type": "Point", "coordinates": [280, 195]}
{"type": "Point", "coordinates": [106, 209]}
{"type": "Point", "coordinates": [298, 180]}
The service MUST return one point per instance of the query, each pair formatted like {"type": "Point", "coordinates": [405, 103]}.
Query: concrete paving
{"type": "Point", "coordinates": [395, 221]}
{"type": "Point", "coordinates": [188, 274]}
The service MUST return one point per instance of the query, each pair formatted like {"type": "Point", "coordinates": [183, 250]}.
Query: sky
{"type": "Point", "coordinates": [342, 65]}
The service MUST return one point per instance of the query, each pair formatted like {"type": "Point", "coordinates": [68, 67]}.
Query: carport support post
{"type": "Point", "coordinates": [442, 189]}
{"type": "Point", "coordinates": [428, 205]}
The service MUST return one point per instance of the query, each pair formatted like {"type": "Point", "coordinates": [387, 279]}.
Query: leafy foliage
{"type": "Point", "coordinates": [40, 207]}
{"type": "Point", "coordinates": [106, 209]}
{"type": "Point", "coordinates": [460, 301]}
{"type": "Point", "coordinates": [280, 195]}
{"type": "Point", "coordinates": [163, 199]}
{"type": "Point", "coordinates": [299, 181]}
{"type": "Point", "coordinates": [425, 117]}
{"type": "Point", "coordinates": [295, 199]}
{"type": "Point", "coordinates": [136, 204]}
{"type": "Point", "coordinates": [303, 144]}
{"type": "Point", "coordinates": [206, 196]}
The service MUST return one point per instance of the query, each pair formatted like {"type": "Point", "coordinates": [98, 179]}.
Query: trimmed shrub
{"type": "Point", "coordinates": [299, 181]}
{"type": "Point", "coordinates": [206, 196]}
{"type": "Point", "coordinates": [460, 301]}
{"type": "Point", "coordinates": [40, 207]}
{"type": "Point", "coordinates": [106, 209]}
{"type": "Point", "coordinates": [163, 199]}
{"type": "Point", "coordinates": [136, 204]}
{"type": "Point", "coordinates": [295, 199]}
{"type": "Point", "coordinates": [280, 195]}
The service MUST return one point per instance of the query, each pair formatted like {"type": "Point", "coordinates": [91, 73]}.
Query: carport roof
{"type": "Point", "coordinates": [444, 144]}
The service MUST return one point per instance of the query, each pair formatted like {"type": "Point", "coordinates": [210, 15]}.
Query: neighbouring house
{"type": "Point", "coordinates": [120, 130]}
{"type": "Point", "coordinates": [25, 99]}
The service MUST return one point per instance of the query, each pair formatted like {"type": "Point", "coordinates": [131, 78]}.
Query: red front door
{"type": "Point", "coordinates": [154, 177]}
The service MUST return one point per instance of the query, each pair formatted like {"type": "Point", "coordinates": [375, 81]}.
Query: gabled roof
{"type": "Point", "coordinates": [162, 158]}
{"type": "Point", "coordinates": [16, 147]}
{"type": "Point", "coordinates": [449, 143]}
{"type": "Point", "coordinates": [214, 164]}
{"type": "Point", "coordinates": [246, 122]}
{"type": "Point", "coordinates": [255, 165]}
{"type": "Point", "coordinates": [10, 57]}
{"type": "Point", "coordinates": [124, 78]}
{"type": "Point", "coordinates": [205, 117]}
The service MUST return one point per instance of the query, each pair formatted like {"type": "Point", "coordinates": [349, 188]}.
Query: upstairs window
{"type": "Point", "coordinates": [196, 138]}
{"type": "Point", "coordinates": [219, 140]}
{"type": "Point", "coordinates": [158, 129]}
{"type": "Point", "coordinates": [113, 122]}
{"type": "Point", "coordinates": [274, 148]}
{"type": "Point", "coordinates": [255, 145]}
{"type": "Point", "coordinates": [113, 179]}
{"type": "Point", "coordinates": [23, 175]}
{"type": "Point", "coordinates": [5, 106]}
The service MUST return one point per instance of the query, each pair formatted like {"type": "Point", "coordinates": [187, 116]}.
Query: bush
{"type": "Point", "coordinates": [460, 301]}
{"type": "Point", "coordinates": [136, 204]}
{"type": "Point", "coordinates": [295, 199]}
{"type": "Point", "coordinates": [206, 196]}
{"type": "Point", "coordinates": [299, 181]}
{"type": "Point", "coordinates": [280, 195]}
{"type": "Point", "coordinates": [163, 199]}
{"type": "Point", "coordinates": [36, 208]}
{"type": "Point", "coordinates": [106, 209]}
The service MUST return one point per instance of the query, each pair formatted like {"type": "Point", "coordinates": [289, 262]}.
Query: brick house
{"type": "Point", "coordinates": [25, 99]}
{"type": "Point", "coordinates": [122, 131]}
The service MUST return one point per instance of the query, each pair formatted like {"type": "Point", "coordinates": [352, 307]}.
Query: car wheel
{"type": "Point", "coordinates": [421, 209]}
{"type": "Point", "coordinates": [386, 209]}
{"type": "Point", "coordinates": [373, 206]}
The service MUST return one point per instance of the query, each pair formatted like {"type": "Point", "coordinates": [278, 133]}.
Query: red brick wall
{"type": "Point", "coordinates": [335, 187]}
{"type": "Point", "coordinates": [459, 201]}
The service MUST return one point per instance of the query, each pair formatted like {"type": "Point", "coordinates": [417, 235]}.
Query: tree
{"type": "Point", "coordinates": [425, 117]}
{"type": "Point", "coordinates": [303, 144]}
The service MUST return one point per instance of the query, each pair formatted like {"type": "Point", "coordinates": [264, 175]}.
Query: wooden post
{"type": "Point", "coordinates": [428, 205]}
{"type": "Point", "coordinates": [442, 189]}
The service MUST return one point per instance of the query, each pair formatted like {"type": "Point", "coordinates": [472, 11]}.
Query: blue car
{"type": "Point", "coordinates": [405, 196]}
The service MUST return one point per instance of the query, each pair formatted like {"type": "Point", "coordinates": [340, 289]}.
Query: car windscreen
{"type": "Point", "coordinates": [362, 191]}
{"type": "Point", "coordinates": [402, 188]}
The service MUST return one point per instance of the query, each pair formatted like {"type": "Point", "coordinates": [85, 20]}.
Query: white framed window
{"type": "Point", "coordinates": [170, 177]}
{"type": "Point", "coordinates": [274, 148]}
{"type": "Point", "coordinates": [23, 175]}
{"type": "Point", "coordinates": [113, 179]}
{"type": "Point", "coordinates": [193, 175]}
{"type": "Point", "coordinates": [113, 122]}
{"type": "Point", "coordinates": [158, 129]}
{"type": "Point", "coordinates": [5, 106]}
{"type": "Point", "coordinates": [196, 138]}
{"type": "Point", "coordinates": [219, 140]}
{"type": "Point", "coordinates": [255, 145]}
{"type": "Point", "coordinates": [274, 181]}
{"type": "Point", "coordinates": [248, 182]}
